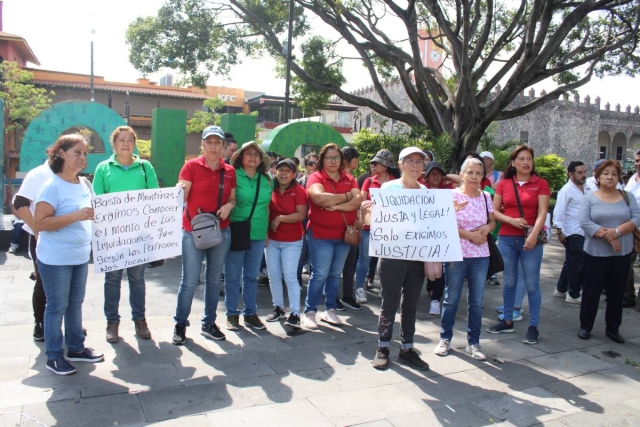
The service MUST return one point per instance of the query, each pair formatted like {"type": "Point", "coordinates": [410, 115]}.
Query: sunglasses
{"type": "Point", "coordinates": [311, 163]}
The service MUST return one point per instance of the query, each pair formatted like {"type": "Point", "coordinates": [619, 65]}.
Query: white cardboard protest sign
{"type": "Point", "coordinates": [415, 225]}
{"type": "Point", "coordinates": [136, 227]}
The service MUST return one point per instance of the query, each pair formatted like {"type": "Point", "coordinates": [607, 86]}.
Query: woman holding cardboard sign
{"type": "Point", "coordinates": [63, 218]}
{"type": "Point", "coordinates": [475, 222]}
{"type": "Point", "coordinates": [401, 280]}
{"type": "Point", "coordinates": [124, 171]}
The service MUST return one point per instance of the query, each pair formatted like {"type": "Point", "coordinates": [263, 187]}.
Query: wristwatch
{"type": "Point", "coordinates": [617, 233]}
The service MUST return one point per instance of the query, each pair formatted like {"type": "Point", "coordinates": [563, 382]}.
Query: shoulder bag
{"type": "Point", "coordinates": [205, 227]}
{"type": "Point", "coordinates": [351, 234]}
{"type": "Point", "coordinates": [636, 233]}
{"type": "Point", "coordinates": [541, 238]}
{"type": "Point", "coordinates": [496, 263]}
{"type": "Point", "coordinates": [241, 230]}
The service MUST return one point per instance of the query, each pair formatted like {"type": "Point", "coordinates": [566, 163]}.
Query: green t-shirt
{"type": "Point", "coordinates": [111, 177]}
{"type": "Point", "coordinates": [245, 195]}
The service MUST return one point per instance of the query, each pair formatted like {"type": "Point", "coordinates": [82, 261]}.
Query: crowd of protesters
{"type": "Point", "coordinates": [279, 221]}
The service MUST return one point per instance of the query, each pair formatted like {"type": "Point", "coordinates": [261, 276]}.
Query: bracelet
{"type": "Point", "coordinates": [346, 196]}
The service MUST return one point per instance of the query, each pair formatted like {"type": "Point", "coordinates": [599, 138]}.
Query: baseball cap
{"type": "Point", "coordinates": [486, 154]}
{"type": "Point", "coordinates": [434, 165]}
{"type": "Point", "coordinates": [287, 163]}
{"type": "Point", "coordinates": [598, 163]}
{"type": "Point", "coordinates": [213, 130]}
{"type": "Point", "coordinates": [410, 150]}
{"type": "Point", "coordinates": [384, 157]}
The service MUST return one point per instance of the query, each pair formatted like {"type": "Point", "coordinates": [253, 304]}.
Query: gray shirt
{"type": "Point", "coordinates": [596, 214]}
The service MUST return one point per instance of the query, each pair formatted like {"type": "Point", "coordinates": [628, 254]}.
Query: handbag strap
{"type": "Point", "coordinates": [344, 218]}
{"type": "Point", "coordinates": [515, 190]}
{"type": "Point", "coordinates": [486, 205]}
{"type": "Point", "coordinates": [220, 193]}
{"type": "Point", "coordinates": [255, 200]}
{"type": "Point", "coordinates": [144, 169]}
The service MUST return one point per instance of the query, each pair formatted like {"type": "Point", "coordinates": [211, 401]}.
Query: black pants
{"type": "Point", "coordinates": [435, 288]}
{"type": "Point", "coordinates": [630, 289]}
{"type": "Point", "coordinates": [38, 299]}
{"type": "Point", "coordinates": [609, 273]}
{"type": "Point", "coordinates": [348, 271]}
{"type": "Point", "coordinates": [570, 275]}
{"type": "Point", "coordinates": [401, 283]}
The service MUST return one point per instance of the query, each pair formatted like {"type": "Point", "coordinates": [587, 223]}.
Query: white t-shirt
{"type": "Point", "coordinates": [397, 183]}
{"type": "Point", "coordinates": [70, 245]}
{"type": "Point", "coordinates": [31, 186]}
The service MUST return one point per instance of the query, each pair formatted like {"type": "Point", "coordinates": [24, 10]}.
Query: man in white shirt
{"type": "Point", "coordinates": [633, 187]}
{"type": "Point", "coordinates": [569, 232]}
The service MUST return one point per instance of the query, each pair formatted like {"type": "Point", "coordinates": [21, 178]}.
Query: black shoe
{"type": "Point", "coordinates": [500, 328]}
{"type": "Point", "coordinates": [38, 332]}
{"type": "Point", "coordinates": [211, 330]}
{"type": "Point", "coordinates": [381, 361]}
{"type": "Point", "coordinates": [411, 358]}
{"type": "Point", "coordinates": [339, 306]}
{"type": "Point", "coordinates": [86, 355]}
{"type": "Point", "coordinates": [615, 337]}
{"type": "Point", "coordinates": [532, 335]}
{"type": "Point", "coordinates": [628, 303]}
{"type": "Point", "coordinates": [180, 334]}
{"type": "Point", "coordinates": [583, 334]}
{"type": "Point", "coordinates": [277, 314]}
{"type": "Point", "coordinates": [60, 366]}
{"type": "Point", "coordinates": [293, 321]}
{"type": "Point", "coordinates": [351, 303]}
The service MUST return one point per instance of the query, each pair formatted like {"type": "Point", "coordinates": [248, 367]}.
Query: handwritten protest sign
{"type": "Point", "coordinates": [136, 227]}
{"type": "Point", "coordinates": [415, 225]}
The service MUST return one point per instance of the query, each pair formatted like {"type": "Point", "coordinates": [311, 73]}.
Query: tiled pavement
{"type": "Point", "coordinates": [320, 378]}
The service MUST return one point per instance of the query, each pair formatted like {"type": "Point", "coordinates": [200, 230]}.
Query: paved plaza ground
{"type": "Point", "coordinates": [319, 378]}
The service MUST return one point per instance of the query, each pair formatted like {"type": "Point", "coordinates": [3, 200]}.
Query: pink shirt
{"type": "Point", "coordinates": [473, 215]}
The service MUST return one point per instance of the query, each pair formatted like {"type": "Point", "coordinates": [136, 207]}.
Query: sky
{"type": "Point", "coordinates": [59, 33]}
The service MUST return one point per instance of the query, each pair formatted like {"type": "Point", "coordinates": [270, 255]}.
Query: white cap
{"type": "Point", "coordinates": [486, 154]}
{"type": "Point", "coordinates": [410, 150]}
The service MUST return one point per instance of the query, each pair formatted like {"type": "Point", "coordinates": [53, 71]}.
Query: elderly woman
{"type": "Point", "coordinates": [382, 167]}
{"type": "Point", "coordinates": [520, 204]}
{"type": "Point", "coordinates": [287, 209]}
{"type": "Point", "coordinates": [401, 280]}
{"type": "Point", "coordinates": [608, 217]}
{"type": "Point", "coordinates": [209, 186]}
{"type": "Point", "coordinates": [124, 171]}
{"type": "Point", "coordinates": [334, 199]}
{"type": "Point", "coordinates": [475, 222]}
{"type": "Point", "coordinates": [253, 195]}
{"type": "Point", "coordinates": [63, 218]}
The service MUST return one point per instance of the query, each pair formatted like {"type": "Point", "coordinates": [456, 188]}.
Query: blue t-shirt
{"type": "Point", "coordinates": [70, 245]}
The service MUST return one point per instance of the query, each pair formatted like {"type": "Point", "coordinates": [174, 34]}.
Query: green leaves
{"type": "Point", "coordinates": [551, 167]}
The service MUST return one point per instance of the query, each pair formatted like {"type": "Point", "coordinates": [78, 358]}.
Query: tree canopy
{"type": "Point", "coordinates": [484, 43]}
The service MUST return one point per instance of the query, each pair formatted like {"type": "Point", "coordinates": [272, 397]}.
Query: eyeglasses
{"type": "Point", "coordinates": [412, 162]}
{"type": "Point", "coordinates": [311, 163]}
{"type": "Point", "coordinates": [334, 159]}
{"type": "Point", "coordinates": [252, 154]}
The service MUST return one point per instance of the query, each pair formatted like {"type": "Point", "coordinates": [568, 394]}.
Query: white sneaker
{"type": "Point", "coordinates": [330, 317]}
{"type": "Point", "coordinates": [475, 352]}
{"type": "Point", "coordinates": [442, 349]}
{"type": "Point", "coordinates": [434, 308]}
{"type": "Point", "coordinates": [571, 300]}
{"type": "Point", "coordinates": [557, 293]}
{"type": "Point", "coordinates": [309, 320]}
{"type": "Point", "coordinates": [361, 296]}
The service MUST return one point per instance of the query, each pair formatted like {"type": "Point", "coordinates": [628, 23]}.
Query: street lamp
{"type": "Point", "coordinates": [93, 32]}
{"type": "Point", "coordinates": [288, 76]}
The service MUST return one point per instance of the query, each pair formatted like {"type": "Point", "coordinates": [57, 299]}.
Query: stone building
{"type": "Point", "coordinates": [572, 128]}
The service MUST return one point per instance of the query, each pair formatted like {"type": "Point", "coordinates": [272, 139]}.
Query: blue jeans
{"type": "Point", "coordinates": [327, 258]}
{"type": "Point", "coordinates": [282, 260]}
{"type": "Point", "coordinates": [362, 267]}
{"type": "Point", "coordinates": [475, 269]}
{"type": "Point", "coordinates": [191, 265]}
{"type": "Point", "coordinates": [513, 253]}
{"type": "Point", "coordinates": [245, 265]}
{"type": "Point", "coordinates": [520, 289]}
{"type": "Point", "coordinates": [112, 280]}
{"type": "Point", "coordinates": [64, 286]}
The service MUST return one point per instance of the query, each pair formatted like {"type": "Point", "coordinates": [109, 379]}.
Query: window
{"type": "Point", "coordinates": [524, 137]}
{"type": "Point", "coordinates": [619, 153]}
{"type": "Point", "coordinates": [367, 121]}
{"type": "Point", "coordinates": [603, 152]}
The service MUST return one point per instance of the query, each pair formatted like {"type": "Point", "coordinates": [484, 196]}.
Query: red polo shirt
{"type": "Point", "coordinates": [285, 204]}
{"type": "Point", "coordinates": [528, 193]}
{"type": "Point", "coordinates": [326, 224]}
{"type": "Point", "coordinates": [373, 182]}
{"type": "Point", "coordinates": [205, 184]}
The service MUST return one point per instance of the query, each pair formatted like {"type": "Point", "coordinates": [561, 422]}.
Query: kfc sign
{"type": "Point", "coordinates": [230, 98]}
